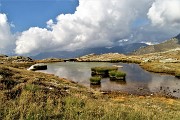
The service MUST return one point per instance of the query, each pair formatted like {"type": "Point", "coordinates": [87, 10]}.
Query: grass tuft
{"type": "Point", "coordinates": [120, 74]}
{"type": "Point", "coordinates": [96, 80]}
{"type": "Point", "coordinates": [103, 71]}
{"type": "Point", "coordinates": [112, 73]}
{"type": "Point", "coordinates": [117, 75]}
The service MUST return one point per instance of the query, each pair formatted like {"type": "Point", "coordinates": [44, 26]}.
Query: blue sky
{"type": "Point", "coordinates": [28, 13]}
{"type": "Point", "coordinates": [31, 27]}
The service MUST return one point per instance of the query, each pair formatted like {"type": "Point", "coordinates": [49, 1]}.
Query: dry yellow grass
{"type": "Point", "coordinates": [167, 68]}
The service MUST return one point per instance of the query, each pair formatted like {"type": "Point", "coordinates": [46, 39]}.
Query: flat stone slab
{"type": "Point", "coordinates": [38, 67]}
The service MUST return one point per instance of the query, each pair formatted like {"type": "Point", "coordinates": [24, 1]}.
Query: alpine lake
{"type": "Point", "coordinates": [138, 81]}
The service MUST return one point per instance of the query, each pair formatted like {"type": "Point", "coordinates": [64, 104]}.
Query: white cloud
{"type": "Point", "coordinates": [164, 22]}
{"type": "Point", "coordinates": [165, 13]}
{"type": "Point", "coordinates": [7, 39]}
{"type": "Point", "coordinates": [95, 23]}
{"type": "Point", "coordinates": [34, 40]}
{"type": "Point", "coordinates": [49, 23]}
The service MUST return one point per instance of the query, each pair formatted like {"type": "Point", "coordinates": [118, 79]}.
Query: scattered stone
{"type": "Point", "coordinates": [145, 60]}
{"type": "Point", "coordinates": [19, 59]}
{"type": "Point", "coordinates": [174, 91]}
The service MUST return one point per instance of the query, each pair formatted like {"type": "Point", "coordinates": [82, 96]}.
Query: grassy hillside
{"type": "Point", "coordinates": [162, 47]}
{"type": "Point", "coordinates": [38, 96]}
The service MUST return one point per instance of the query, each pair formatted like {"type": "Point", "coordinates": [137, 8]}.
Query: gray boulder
{"type": "Point", "coordinates": [38, 67]}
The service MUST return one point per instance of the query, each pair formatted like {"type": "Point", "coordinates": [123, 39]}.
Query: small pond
{"type": "Point", "coordinates": [138, 81]}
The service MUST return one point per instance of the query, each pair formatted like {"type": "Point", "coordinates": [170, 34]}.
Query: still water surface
{"type": "Point", "coordinates": [138, 81]}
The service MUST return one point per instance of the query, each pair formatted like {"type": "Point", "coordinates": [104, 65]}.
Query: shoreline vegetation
{"type": "Point", "coordinates": [34, 95]}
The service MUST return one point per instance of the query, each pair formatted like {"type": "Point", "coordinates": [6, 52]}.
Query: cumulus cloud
{"type": "Point", "coordinates": [164, 22]}
{"type": "Point", "coordinates": [95, 23]}
{"type": "Point", "coordinates": [34, 40]}
{"type": "Point", "coordinates": [7, 39]}
{"type": "Point", "coordinates": [165, 12]}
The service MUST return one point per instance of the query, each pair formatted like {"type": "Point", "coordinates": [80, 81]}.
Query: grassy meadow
{"type": "Point", "coordinates": [28, 95]}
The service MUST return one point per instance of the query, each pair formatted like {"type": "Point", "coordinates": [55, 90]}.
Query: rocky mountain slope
{"type": "Point", "coordinates": [173, 43]}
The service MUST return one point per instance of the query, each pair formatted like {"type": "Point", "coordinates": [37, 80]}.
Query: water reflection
{"type": "Point", "coordinates": [138, 81]}
{"type": "Point", "coordinates": [120, 82]}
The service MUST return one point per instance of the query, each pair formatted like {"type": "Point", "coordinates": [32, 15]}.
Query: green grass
{"type": "Point", "coordinates": [117, 75]}
{"type": "Point", "coordinates": [95, 80]}
{"type": "Point", "coordinates": [120, 74]}
{"type": "Point", "coordinates": [103, 71]}
{"type": "Point", "coordinates": [112, 73]}
{"type": "Point", "coordinates": [32, 87]}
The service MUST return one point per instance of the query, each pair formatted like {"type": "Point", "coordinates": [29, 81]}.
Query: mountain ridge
{"type": "Point", "coordinates": [126, 49]}
{"type": "Point", "coordinates": [173, 43]}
